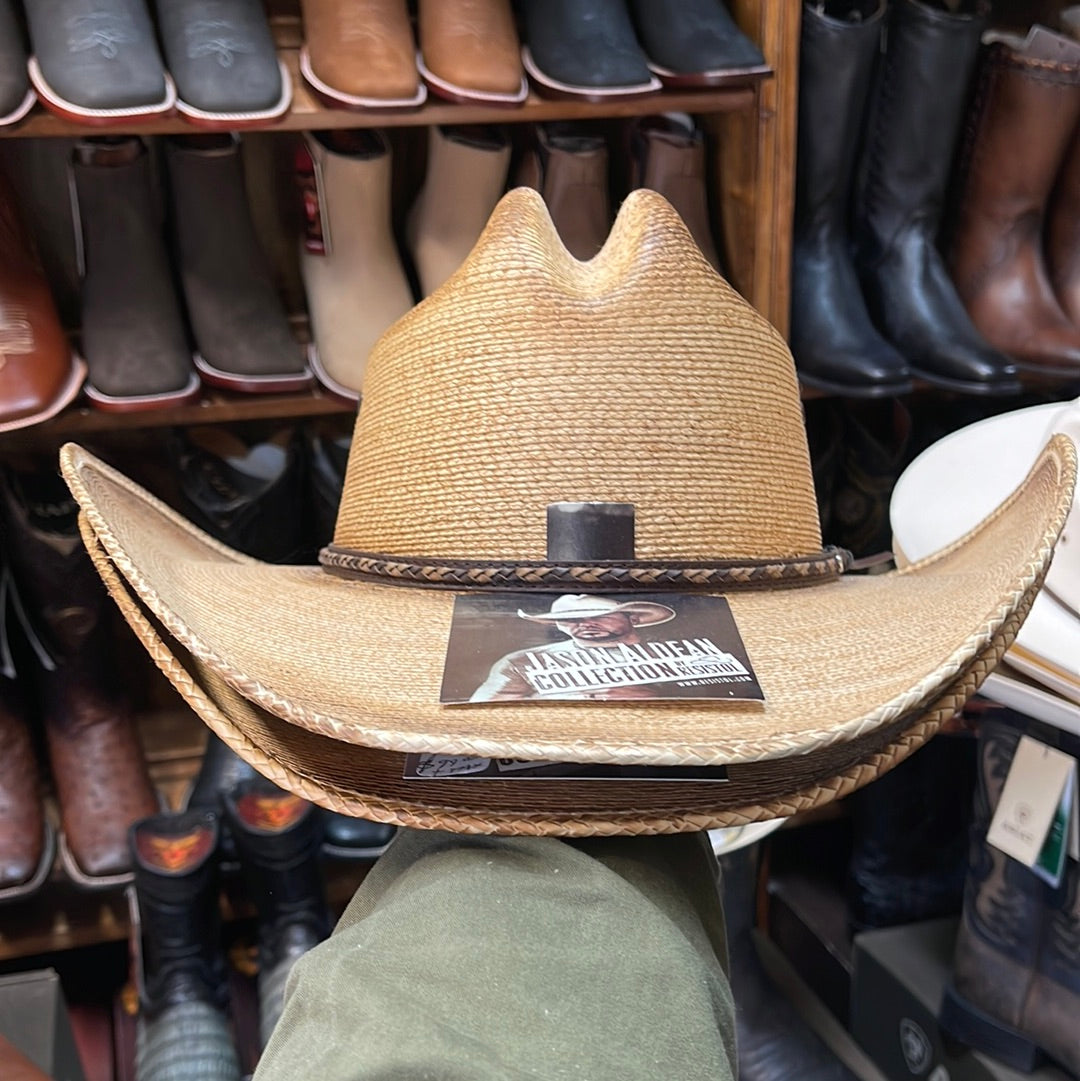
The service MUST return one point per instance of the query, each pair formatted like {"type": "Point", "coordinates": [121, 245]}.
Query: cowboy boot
{"type": "Point", "coordinates": [248, 495]}
{"type": "Point", "coordinates": [16, 97]}
{"type": "Point", "coordinates": [1025, 116]}
{"type": "Point", "coordinates": [1063, 224]}
{"type": "Point", "coordinates": [38, 374]}
{"type": "Point", "coordinates": [102, 784]}
{"type": "Point", "coordinates": [916, 116]}
{"type": "Point", "coordinates": [328, 457]}
{"type": "Point", "coordinates": [569, 167]}
{"type": "Point", "coordinates": [466, 175]}
{"type": "Point", "coordinates": [773, 1041]}
{"type": "Point", "coordinates": [356, 286]}
{"type": "Point", "coordinates": [133, 335]}
{"type": "Point", "coordinates": [667, 154]}
{"type": "Point", "coordinates": [1015, 990]}
{"type": "Point", "coordinates": [835, 344]}
{"type": "Point", "coordinates": [241, 330]}
{"type": "Point", "coordinates": [183, 1031]}
{"type": "Point", "coordinates": [277, 837]}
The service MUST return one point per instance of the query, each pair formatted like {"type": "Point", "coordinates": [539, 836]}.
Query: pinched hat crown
{"type": "Point", "coordinates": [531, 378]}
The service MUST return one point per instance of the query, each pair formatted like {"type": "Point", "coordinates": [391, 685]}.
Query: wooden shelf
{"type": "Point", "coordinates": [308, 113]}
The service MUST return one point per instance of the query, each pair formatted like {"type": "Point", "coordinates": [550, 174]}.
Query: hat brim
{"type": "Point", "coordinates": [840, 664]}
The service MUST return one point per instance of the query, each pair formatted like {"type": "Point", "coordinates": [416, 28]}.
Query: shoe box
{"type": "Point", "coordinates": [34, 1018]}
{"type": "Point", "coordinates": [897, 984]}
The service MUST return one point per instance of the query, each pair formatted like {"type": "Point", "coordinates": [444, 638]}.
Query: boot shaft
{"type": "Point", "coordinates": [176, 889]}
{"type": "Point", "coordinates": [916, 113]}
{"type": "Point", "coordinates": [837, 55]}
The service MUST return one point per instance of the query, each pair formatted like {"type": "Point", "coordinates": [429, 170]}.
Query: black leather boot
{"type": "Point", "coordinates": [835, 344]}
{"type": "Point", "coordinates": [774, 1042]}
{"type": "Point", "coordinates": [278, 837]}
{"type": "Point", "coordinates": [183, 1032]}
{"type": "Point", "coordinates": [916, 114]}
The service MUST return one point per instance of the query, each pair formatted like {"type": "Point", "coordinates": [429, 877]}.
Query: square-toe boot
{"type": "Point", "coordinates": [16, 97]}
{"type": "Point", "coordinates": [183, 1031]}
{"type": "Point", "coordinates": [101, 780]}
{"type": "Point", "coordinates": [278, 838]}
{"type": "Point", "coordinates": [1063, 223]}
{"type": "Point", "coordinates": [361, 54]}
{"type": "Point", "coordinates": [38, 373]}
{"type": "Point", "coordinates": [568, 165]}
{"type": "Point", "coordinates": [667, 154]}
{"type": "Point", "coordinates": [221, 54]}
{"type": "Point", "coordinates": [355, 283]}
{"type": "Point", "coordinates": [469, 51]}
{"type": "Point", "coordinates": [133, 334]}
{"type": "Point", "coordinates": [833, 339]}
{"type": "Point", "coordinates": [916, 114]}
{"type": "Point", "coordinates": [466, 175]}
{"type": "Point", "coordinates": [246, 493]}
{"type": "Point", "coordinates": [241, 330]}
{"type": "Point", "coordinates": [1015, 989]}
{"type": "Point", "coordinates": [1024, 120]}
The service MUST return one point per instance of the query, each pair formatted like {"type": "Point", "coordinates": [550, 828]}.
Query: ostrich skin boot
{"type": "Point", "coordinates": [98, 769]}
{"type": "Point", "coordinates": [1015, 990]}
{"type": "Point", "coordinates": [241, 329]}
{"type": "Point", "coordinates": [1025, 115]}
{"type": "Point", "coordinates": [466, 176]}
{"type": "Point", "coordinates": [568, 166]}
{"type": "Point", "coordinates": [668, 156]}
{"type": "Point", "coordinates": [183, 1031]}
{"type": "Point", "coordinates": [915, 118]}
{"type": "Point", "coordinates": [835, 344]}
{"type": "Point", "coordinates": [38, 374]}
{"type": "Point", "coordinates": [355, 283]}
{"type": "Point", "coordinates": [278, 837]}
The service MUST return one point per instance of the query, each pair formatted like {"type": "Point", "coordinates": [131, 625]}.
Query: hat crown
{"type": "Point", "coordinates": [530, 378]}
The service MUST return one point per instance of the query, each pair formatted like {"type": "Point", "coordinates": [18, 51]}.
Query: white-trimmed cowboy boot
{"type": "Point", "coordinates": [356, 286]}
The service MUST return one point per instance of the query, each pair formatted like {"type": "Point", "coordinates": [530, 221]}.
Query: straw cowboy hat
{"type": "Point", "coordinates": [684, 404]}
{"type": "Point", "coordinates": [578, 606]}
{"type": "Point", "coordinates": [959, 480]}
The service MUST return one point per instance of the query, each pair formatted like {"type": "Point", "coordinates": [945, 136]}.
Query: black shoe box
{"type": "Point", "coordinates": [899, 978]}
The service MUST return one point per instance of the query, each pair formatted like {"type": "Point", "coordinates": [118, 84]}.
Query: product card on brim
{"type": "Point", "coordinates": [1035, 821]}
{"type": "Point", "coordinates": [607, 647]}
{"type": "Point", "coordinates": [443, 767]}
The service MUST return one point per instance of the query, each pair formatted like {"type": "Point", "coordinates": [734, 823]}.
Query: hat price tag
{"type": "Point", "coordinates": [1036, 821]}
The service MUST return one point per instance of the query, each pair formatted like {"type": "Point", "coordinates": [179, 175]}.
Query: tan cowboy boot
{"type": "Point", "coordinates": [355, 283]}
{"type": "Point", "coordinates": [466, 175]}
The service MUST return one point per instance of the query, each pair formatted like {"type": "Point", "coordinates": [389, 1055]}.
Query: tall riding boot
{"type": "Point", "coordinates": [183, 1031]}
{"type": "Point", "coordinates": [355, 283]}
{"type": "Point", "coordinates": [1026, 112]}
{"type": "Point", "coordinates": [101, 778]}
{"type": "Point", "coordinates": [835, 344]}
{"type": "Point", "coordinates": [1015, 992]}
{"type": "Point", "coordinates": [773, 1040]}
{"type": "Point", "coordinates": [929, 60]}
{"type": "Point", "coordinates": [569, 167]}
{"type": "Point", "coordinates": [1063, 228]}
{"type": "Point", "coordinates": [278, 836]}
{"type": "Point", "coordinates": [466, 176]}
{"type": "Point", "coordinates": [241, 331]}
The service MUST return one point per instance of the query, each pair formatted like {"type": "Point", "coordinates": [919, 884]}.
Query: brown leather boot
{"type": "Point", "coordinates": [1015, 991]}
{"type": "Point", "coordinates": [38, 373]}
{"type": "Point", "coordinates": [1025, 115]}
{"type": "Point", "coordinates": [1063, 225]}
{"type": "Point", "coordinates": [101, 780]}
{"type": "Point", "coordinates": [668, 155]}
{"type": "Point", "coordinates": [569, 167]}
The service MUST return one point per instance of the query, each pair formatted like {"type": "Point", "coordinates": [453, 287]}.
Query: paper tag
{"type": "Point", "coordinates": [442, 767]}
{"type": "Point", "coordinates": [1039, 791]}
{"type": "Point", "coordinates": [309, 181]}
